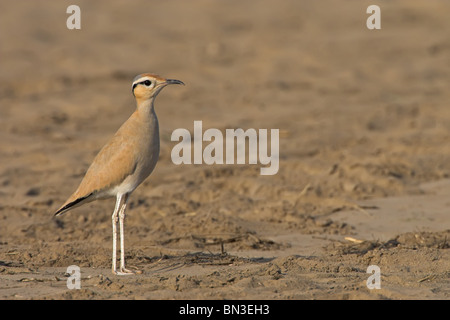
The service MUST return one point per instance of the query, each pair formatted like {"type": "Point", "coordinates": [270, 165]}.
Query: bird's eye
{"type": "Point", "coordinates": [147, 83]}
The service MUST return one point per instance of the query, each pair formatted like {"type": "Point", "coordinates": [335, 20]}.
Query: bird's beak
{"type": "Point", "coordinates": [173, 81]}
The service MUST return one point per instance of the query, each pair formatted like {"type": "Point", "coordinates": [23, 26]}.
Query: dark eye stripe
{"type": "Point", "coordinates": [146, 82]}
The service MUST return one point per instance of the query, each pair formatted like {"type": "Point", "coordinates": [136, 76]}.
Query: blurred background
{"type": "Point", "coordinates": [363, 114]}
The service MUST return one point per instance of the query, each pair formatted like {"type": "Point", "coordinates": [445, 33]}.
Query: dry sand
{"type": "Point", "coordinates": [364, 174]}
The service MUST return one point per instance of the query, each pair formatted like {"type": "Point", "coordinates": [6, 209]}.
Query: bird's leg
{"type": "Point", "coordinates": [123, 270]}
{"type": "Point", "coordinates": [115, 219]}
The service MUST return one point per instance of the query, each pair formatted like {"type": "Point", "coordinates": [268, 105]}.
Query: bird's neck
{"type": "Point", "coordinates": [146, 109]}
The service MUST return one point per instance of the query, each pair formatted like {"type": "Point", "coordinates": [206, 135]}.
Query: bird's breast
{"type": "Point", "coordinates": [148, 150]}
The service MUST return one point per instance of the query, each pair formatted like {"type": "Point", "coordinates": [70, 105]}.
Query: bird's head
{"type": "Point", "coordinates": [147, 86]}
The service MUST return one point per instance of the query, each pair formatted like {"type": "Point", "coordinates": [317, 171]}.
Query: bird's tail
{"type": "Point", "coordinates": [72, 204]}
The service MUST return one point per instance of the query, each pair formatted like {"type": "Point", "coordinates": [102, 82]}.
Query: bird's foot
{"type": "Point", "coordinates": [126, 272]}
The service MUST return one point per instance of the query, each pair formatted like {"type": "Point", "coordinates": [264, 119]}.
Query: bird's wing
{"type": "Point", "coordinates": [115, 161]}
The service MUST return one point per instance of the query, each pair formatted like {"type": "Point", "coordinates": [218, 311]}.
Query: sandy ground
{"type": "Point", "coordinates": [364, 175]}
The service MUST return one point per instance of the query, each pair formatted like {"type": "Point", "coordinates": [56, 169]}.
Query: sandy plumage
{"type": "Point", "coordinates": [125, 161]}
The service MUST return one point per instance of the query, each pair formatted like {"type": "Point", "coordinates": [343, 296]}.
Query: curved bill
{"type": "Point", "coordinates": [173, 81]}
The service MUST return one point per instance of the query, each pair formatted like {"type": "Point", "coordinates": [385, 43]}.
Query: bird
{"type": "Point", "coordinates": [125, 161]}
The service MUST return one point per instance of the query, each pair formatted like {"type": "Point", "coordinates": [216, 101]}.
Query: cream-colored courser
{"type": "Point", "coordinates": [125, 161]}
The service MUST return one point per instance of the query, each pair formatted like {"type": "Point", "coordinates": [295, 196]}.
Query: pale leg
{"type": "Point", "coordinates": [115, 219]}
{"type": "Point", "coordinates": [123, 270]}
